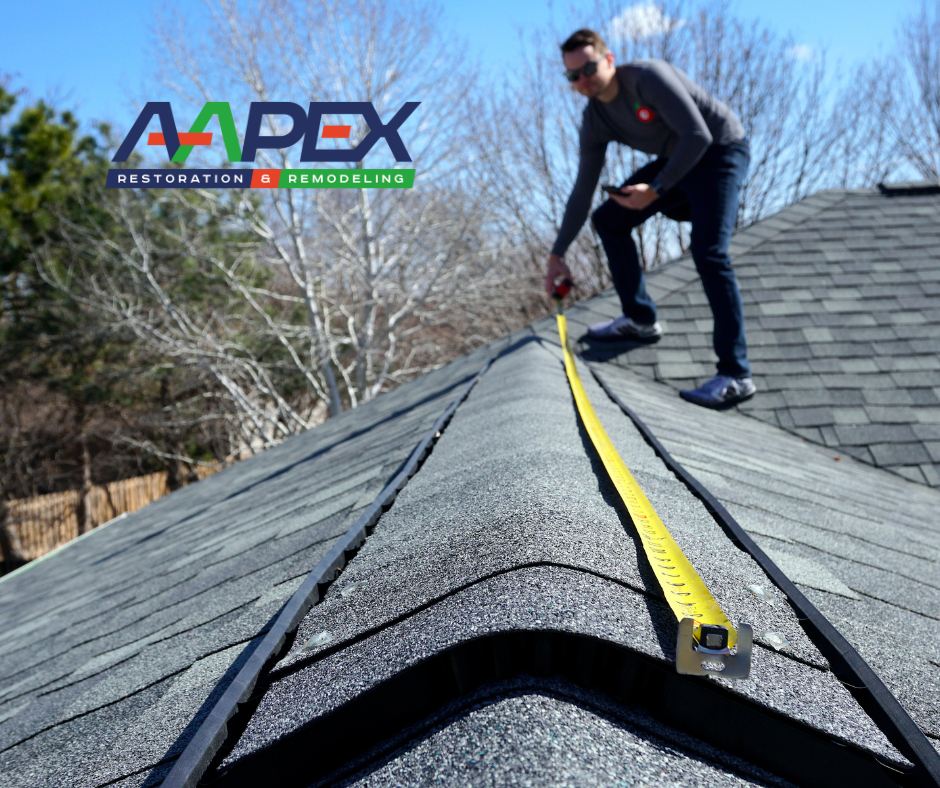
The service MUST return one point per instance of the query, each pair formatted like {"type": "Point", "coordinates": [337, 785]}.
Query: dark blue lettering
{"type": "Point", "coordinates": [377, 130]}
{"type": "Point", "coordinates": [254, 140]}
{"type": "Point", "coordinates": [171, 139]}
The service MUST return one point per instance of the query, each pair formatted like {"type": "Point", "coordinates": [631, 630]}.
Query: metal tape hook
{"type": "Point", "coordinates": [710, 655]}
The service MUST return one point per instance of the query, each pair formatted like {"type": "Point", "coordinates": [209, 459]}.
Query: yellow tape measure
{"type": "Point", "coordinates": [685, 591]}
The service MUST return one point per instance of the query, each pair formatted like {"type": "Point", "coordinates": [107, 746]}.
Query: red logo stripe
{"type": "Point", "coordinates": [186, 138]}
{"type": "Point", "coordinates": [336, 132]}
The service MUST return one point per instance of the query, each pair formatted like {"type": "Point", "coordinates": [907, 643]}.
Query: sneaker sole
{"type": "Point", "coordinates": [626, 338]}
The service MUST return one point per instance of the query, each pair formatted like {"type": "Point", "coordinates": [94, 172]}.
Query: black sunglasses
{"type": "Point", "coordinates": [589, 69]}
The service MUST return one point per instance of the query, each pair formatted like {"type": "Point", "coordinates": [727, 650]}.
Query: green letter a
{"type": "Point", "coordinates": [226, 123]}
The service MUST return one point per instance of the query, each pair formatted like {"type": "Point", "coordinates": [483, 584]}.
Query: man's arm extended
{"type": "Point", "coordinates": [591, 163]}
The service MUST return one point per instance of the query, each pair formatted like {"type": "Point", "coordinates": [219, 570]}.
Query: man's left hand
{"type": "Point", "coordinates": [636, 196]}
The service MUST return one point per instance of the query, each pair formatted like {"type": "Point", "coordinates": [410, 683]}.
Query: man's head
{"type": "Point", "coordinates": [587, 48]}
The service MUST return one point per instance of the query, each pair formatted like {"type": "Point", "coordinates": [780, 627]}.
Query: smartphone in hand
{"type": "Point", "coordinates": [611, 189]}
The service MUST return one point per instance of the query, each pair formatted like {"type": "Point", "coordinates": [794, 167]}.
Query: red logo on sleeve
{"type": "Point", "coordinates": [644, 114]}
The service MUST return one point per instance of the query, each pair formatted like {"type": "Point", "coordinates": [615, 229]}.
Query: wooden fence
{"type": "Point", "coordinates": [33, 527]}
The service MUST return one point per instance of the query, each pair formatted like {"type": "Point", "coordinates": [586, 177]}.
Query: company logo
{"type": "Point", "coordinates": [644, 114]}
{"type": "Point", "coordinates": [306, 127]}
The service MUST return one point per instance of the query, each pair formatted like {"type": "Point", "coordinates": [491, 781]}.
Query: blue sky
{"type": "Point", "coordinates": [93, 55]}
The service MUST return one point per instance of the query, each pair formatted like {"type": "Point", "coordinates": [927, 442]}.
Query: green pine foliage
{"type": "Point", "coordinates": [82, 400]}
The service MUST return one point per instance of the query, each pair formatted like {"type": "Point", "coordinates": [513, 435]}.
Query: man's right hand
{"type": "Point", "coordinates": [556, 269]}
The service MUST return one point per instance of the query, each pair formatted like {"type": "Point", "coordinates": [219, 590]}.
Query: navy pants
{"type": "Point", "coordinates": [708, 197]}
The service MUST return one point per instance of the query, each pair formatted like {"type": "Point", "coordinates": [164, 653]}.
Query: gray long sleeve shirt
{"type": "Point", "coordinates": [658, 110]}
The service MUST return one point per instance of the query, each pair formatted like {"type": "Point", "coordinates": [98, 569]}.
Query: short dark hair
{"type": "Point", "coordinates": [584, 38]}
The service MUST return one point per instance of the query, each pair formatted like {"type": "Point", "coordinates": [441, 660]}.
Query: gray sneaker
{"type": "Point", "coordinates": [721, 392]}
{"type": "Point", "coordinates": [624, 328]}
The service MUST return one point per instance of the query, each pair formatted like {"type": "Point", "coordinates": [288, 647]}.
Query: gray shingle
{"type": "Point", "coordinates": [811, 417]}
{"type": "Point", "coordinates": [912, 472]}
{"type": "Point", "coordinates": [804, 398]}
{"type": "Point", "coordinates": [887, 396]}
{"type": "Point", "coordinates": [850, 416]}
{"type": "Point", "coordinates": [917, 379]}
{"type": "Point", "coordinates": [892, 454]}
{"type": "Point", "coordinates": [869, 434]}
{"type": "Point", "coordinates": [890, 415]}
{"type": "Point", "coordinates": [931, 473]}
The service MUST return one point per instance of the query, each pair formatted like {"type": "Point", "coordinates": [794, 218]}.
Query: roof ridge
{"type": "Point", "coordinates": [212, 731]}
{"type": "Point", "coordinates": [909, 188]}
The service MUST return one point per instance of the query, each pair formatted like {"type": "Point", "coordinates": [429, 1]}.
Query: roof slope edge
{"type": "Point", "coordinates": [864, 684]}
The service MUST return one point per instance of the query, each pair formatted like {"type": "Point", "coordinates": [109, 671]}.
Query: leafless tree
{"type": "Point", "coordinates": [372, 269]}
{"type": "Point", "coordinates": [158, 274]}
{"type": "Point", "coordinates": [911, 80]}
{"type": "Point", "coordinates": [862, 144]}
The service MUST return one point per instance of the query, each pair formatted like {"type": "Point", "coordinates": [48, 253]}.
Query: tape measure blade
{"type": "Point", "coordinates": [690, 600]}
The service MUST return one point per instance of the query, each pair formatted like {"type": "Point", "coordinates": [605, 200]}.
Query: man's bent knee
{"type": "Point", "coordinates": [602, 216]}
{"type": "Point", "coordinates": [712, 260]}
{"type": "Point", "coordinates": [612, 219]}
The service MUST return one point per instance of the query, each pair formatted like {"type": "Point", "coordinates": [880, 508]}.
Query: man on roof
{"type": "Point", "coordinates": [703, 155]}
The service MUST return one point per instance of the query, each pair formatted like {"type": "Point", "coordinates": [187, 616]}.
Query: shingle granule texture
{"type": "Point", "coordinates": [559, 738]}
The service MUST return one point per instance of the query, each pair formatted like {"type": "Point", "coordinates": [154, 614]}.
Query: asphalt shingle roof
{"type": "Point", "coordinates": [862, 545]}
{"type": "Point", "coordinates": [508, 541]}
{"type": "Point", "coordinates": [113, 648]}
{"type": "Point", "coordinates": [510, 526]}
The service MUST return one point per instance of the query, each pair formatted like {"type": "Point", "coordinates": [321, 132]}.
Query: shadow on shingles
{"type": "Point", "coordinates": [625, 717]}
{"type": "Point", "coordinates": [162, 767]}
{"type": "Point", "coordinates": [596, 350]}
